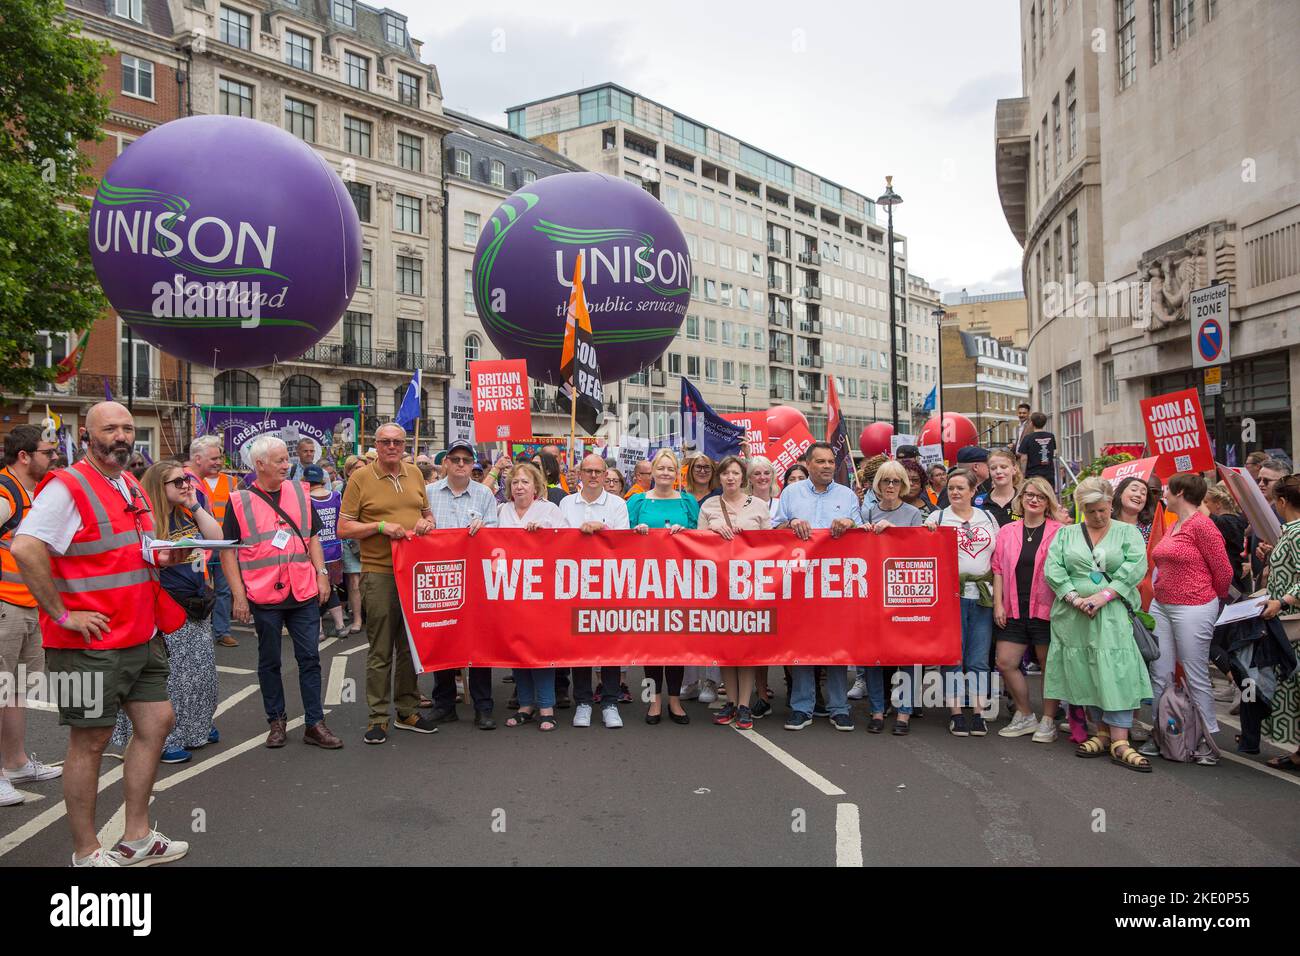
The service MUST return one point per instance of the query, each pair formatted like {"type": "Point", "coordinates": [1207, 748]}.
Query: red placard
{"type": "Point", "coordinates": [755, 430]}
{"type": "Point", "coordinates": [501, 408]}
{"type": "Point", "coordinates": [560, 598]}
{"type": "Point", "coordinates": [1176, 433]}
{"type": "Point", "coordinates": [788, 449]}
{"type": "Point", "coordinates": [1141, 468]}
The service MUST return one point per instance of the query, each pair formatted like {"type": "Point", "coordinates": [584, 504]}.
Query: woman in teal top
{"type": "Point", "coordinates": [1093, 659]}
{"type": "Point", "coordinates": [663, 506]}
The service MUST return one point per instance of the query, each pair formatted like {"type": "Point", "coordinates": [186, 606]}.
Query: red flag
{"type": "Point", "coordinates": [71, 363]}
{"type": "Point", "coordinates": [838, 437]}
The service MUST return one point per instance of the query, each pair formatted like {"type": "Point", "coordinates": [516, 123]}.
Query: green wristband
{"type": "Point", "coordinates": [381, 527]}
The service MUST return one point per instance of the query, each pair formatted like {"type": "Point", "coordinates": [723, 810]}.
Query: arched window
{"type": "Point", "coordinates": [300, 390]}
{"type": "Point", "coordinates": [354, 390]}
{"type": "Point", "coordinates": [236, 387]}
{"type": "Point", "coordinates": [473, 347]}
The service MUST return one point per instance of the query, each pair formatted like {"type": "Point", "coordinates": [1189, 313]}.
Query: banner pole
{"type": "Point", "coordinates": [416, 453]}
{"type": "Point", "coordinates": [573, 422]}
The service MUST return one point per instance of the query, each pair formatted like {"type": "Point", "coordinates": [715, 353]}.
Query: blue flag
{"type": "Point", "coordinates": [410, 410]}
{"type": "Point", "coordinates": [704, 430]}
{"type": "Point", "coordinates": [929, 399]}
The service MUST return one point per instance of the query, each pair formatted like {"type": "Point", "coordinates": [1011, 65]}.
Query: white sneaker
{"type": "Point", "coordinates": [611, 718]}
{"type": "Point", "coordinates": [33, 771]}
{"type": "Point", "coordinates": [1063, 726]}
{"type": "Point", "coordinates": [858, 690]}
{"type": "Point", "coordinates": [153, 849]}
{"type": "Point", "coordinates": [1046, 732]}
{"type": "Point", "coordinates": [9, 797]}
{"type": "Point", "coordinates": [582, 715]}
{"type": "Point", "coordinates": [1020, 725]}
{"type": "Point", "coordinates": [1150, 748]}
{"type": "Point", "coordinates": [100, 857]}
{"type": "Point", "coordinates": [708, 692]}
{"type": "Point", "coordinates": [691, 691]}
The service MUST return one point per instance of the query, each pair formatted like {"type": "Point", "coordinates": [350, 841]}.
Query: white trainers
{"type": "Point", "coordinates": [9, 797]}
{"type": "Point", "coordinates": [100, 857]}
{"type": "Point", "coordinates": [691, 691]}
{"type": "Point", "coordinates": [34, 771]}
{"type": "Point", "coordinates": [1020, 725]}
{"type": "Point", "coordinates": [708, 692]}
{"type": "Point", "coordinates": [1150, 748]}
{"type": "Point", "coordinates": [1046, 732]}
{"type": "Point", "coordinates": [582, 715]}
{"type": "Point", "coordinates": [858, 690]}
{"type": "Point", "coordinates": [153, 849]}
{"type": "Point", "coordinates": [611, 718]}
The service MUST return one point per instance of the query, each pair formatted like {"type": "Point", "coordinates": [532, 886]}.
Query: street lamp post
{"type": "Point", "coordinates": [744, 396]}
{"type": "Point", "coordinates": [938, 315]}
{"type": "Point", "coordinates": [889, 200]}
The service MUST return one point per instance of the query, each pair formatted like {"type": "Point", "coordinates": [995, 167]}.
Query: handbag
{"type": "Point", "coordinates": [1143, 636]}
{"type": "Point", "coordinates": [199, 606]}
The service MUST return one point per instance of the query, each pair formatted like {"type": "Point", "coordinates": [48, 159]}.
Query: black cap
{"type": "Point", "coordinates": [971, 454]}
{"type": "Point", "coordinates": [459, 444]}
{"type": "Point", "coordinates": [907, 451]}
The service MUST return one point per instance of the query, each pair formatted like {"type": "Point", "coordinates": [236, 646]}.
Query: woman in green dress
{"type": "Point", "coordinates": [1283, 583]}
{"type": "Point", "coordinates": [1093, 659]}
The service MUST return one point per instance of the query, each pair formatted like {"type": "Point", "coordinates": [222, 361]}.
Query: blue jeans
{"type": "Point", "coordinates": [535, 686]}
{"type": "Point", "coordinates": [1112, 718]}
{"type": "Point", "coordinates": [220, 610]}
{"type": "Point", "coordinates": [304, 629]}
{"type": "Point", "coordinates": [876, 690]}
{"type": "Point", "coordinates": [976, 639]}
{"type": "Point", "coordinates": [803, 689]}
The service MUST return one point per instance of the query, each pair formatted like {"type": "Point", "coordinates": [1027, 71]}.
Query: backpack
{"type": "Point", "coordinates": [1178, 728]}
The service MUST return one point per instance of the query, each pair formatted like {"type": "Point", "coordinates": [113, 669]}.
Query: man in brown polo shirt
{"type": "Point", "coordinates": [384, 502]}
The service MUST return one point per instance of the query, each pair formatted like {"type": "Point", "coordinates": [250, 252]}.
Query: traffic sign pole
{"type": "Point", "coordinates": [1210, 328]}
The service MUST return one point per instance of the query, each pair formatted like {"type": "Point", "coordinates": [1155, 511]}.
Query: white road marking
{"type": "Point", "coordinates": [34, 704]}
{"type": "Point", "coordinates": [353, 650]}
{"type": "Point", "coordinates": [848, 835]}
{"type": "Point", "coordinates": [202, 766]}
{"type": "Point", "coordinates": [29, 796]}
{"type": "Point", "coordinates": [53, 815]}
{"type": "Point", "coordinates": [224, 669]}
{"type": "Point", "coordinates": [791, 763]}
{"type": "Point", "coordinates": [115, 827]}
{"type": "Point", "coordinates": [234, 699]}
{"type": "Point", "coordinates": [334, 687]}
{"type": "Point", "coordinates": [327, 642]}
{"type": "Point", "coordinates": [1291, 778]}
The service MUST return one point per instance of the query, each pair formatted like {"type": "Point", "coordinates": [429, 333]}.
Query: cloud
{"type": "Point", "coordinates": [1004, 280]}
{"type": "Point", "coordinates": [978, 96]}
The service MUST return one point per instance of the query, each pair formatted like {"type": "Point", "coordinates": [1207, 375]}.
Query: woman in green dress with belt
{"type": "Point", "coordinates": [1093, 659]}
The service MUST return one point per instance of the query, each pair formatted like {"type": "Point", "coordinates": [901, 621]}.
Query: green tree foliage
{"type": "Point", "coordinates": [49, 104]}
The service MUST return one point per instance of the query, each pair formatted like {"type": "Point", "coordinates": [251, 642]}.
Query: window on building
{"type": "Point", "coordinates": [356, 338]}
{"type": "Point", "coordinates": [236, 387]}
{"type": "Point", "coordinates": [1072, 115]}
{"type": "Point", "coordinates": [1072, 222]}
{"type": "Point", "coordinates": [1056, 135]}
{"type": "Point", "coordinates": [410, 342]}
{"type": "Point", "coordinates": [470, 307]}
{"type": "Point", "coordinates": [235, 98]}
{"type": "Point", "coordinates": [498, 173]}
{"type": "Point", "coordinates": [1109, 384]}
{"type": "Point", "coordinates": [473, 347]}
{"type": "Point", "coordinates": [1045, 398]}
{"type": "Point", "coordinates": [299, 50]}
{"type": "Point", "coordinates": [710, 330]}
{"type": "Point", "coordinates": [692, 326]}
{"type": "Point", "coordinates": [407, 209]}
{"type": "Point", "coordinates": [1070, 440]}
{"type": "Point", "coordinates": [365, 281]}
{"type": "Point", "coordinates": [689, 206]}
{"type": "Point", "coordinates": [299, 390]}
{"type": "Point", "coordinates": [469, 236]}
{"type": "Point", "coordinates": [344, 12]}
{"type": "Point", "coordinates": [356, 70]}
{"type": "Point", "coordinates": [1157, 30]}
{"type": "Point", "coordinates": [1184, 20]}
{"type": "Point", "coordinates": [1057, 268]}
{"type": "Point", "coordinates": [137, 377]}
{"type": "Point", "coordinates": [1126, 32]}
{"type": "Point", "coordinates": [460, 161]}
{"type": "Point", "coordinates": [300, 119]}
{"type": "Point", "coordinates": [360, 194]}
{"type": "Point", "coordinates": [674, 364]}
{"type": "Point", "coordinates": [410, 275]}
{"type": "Point", "coordinates": [137, 77]}
{"type": "Point", "coordinates": [394, 30]}
{"type": "Point", "coordinates": [361, 393]}
{"type": "Point", "coordinates": [711, 370]}
{"type": "Point", "coordinates": [129, 9]}
{"type": "Point", "coordinates": [356, 136]}
{"type": "Point", "coordinates": [236, 28]}
{"type": "Point", "coordinates": [410, 152]}
{"type": "Point", "coordinates": [408, 88]}
{"type": "Point", "coordinates": [693, 366]}
{"type": "Point", "coordinates": [530, 177]}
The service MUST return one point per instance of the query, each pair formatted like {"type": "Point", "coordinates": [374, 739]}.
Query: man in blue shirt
{"type": "Point", "coordinates": [805, 506]}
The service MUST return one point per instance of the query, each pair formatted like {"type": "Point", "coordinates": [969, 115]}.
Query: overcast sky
{"type": "Point", "coordinates": [851, 91]}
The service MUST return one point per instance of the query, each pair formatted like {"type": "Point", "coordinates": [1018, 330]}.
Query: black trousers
{"type": "Point", "coordinates": [609, 676]}
{"type": "Point", "coordinates": [1252, 717]}
{"type": "Point", "coordinates": [480, 688]}
{"type": "Point", "coordinates": [666, 679]}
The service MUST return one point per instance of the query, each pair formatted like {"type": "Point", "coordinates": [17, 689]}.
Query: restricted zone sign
{"type": "Point", "coordinates": [1209, 312]}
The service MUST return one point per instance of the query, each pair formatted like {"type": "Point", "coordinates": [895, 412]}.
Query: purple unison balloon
{"type": "Point", "coordinates": [636, 273]}
{"type": "Point", "coordinates": [225, 241]}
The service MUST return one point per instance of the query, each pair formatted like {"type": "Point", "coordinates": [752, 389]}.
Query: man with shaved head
{"type": "Point", "coordinates": [102, 616]}
{"type": "Point", "coordinates": [595, 511]}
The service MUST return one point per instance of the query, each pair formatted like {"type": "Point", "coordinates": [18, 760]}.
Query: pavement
{"type": "Point", "coordinates": [662, 795]}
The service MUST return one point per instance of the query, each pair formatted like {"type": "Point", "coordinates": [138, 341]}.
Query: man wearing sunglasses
{"type": "Point", "coordinates": [1271, 471]}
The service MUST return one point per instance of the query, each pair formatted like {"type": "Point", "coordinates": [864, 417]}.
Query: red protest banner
{"type": "Point", "coordinates": [1141, 468]}
{"type": "Point", "coordinates": [788, 449]}
{"type": "Point", "coordinates": [1176, 433]}
{"type": "Point", "coordinates": [755, 430]}
{"type": "Point", "coordinates": [509, 598]}
{"type": "Point", "coordinates": [501, 408]}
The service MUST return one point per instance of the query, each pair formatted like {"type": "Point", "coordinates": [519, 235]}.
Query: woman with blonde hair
{"type": "Point", "coordinates": [762, 483]}
{"type": "Point", "coordinates": [1004, 472]}
{"type": "Point", "coordinates": [1094, 568]}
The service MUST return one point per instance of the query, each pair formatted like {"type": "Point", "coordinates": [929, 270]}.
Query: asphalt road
{"type": "Point", "coordinates": [664, 795]}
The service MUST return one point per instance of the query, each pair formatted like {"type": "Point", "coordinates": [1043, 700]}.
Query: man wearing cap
{"type": "Point", "coordinates": [459, 502]}
{"type": "Point", "coordinates": [977, 460]}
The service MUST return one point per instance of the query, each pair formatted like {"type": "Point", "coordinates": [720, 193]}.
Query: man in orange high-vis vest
{"type": "Point", "coordinates": [207, 455]}
{"type": "Point", "coordinates": [80, 552]}
{"type": "Point", "coordinates": [279, 572]}
{"type": "Point", "coordinates": [27, 457]}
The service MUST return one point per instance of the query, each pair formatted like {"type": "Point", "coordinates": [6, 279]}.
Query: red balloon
{"type": "Point", "coordinates": [956, 432]}
{"type": "Point", "coordinates": [874, 439]}
{"type": "Point", "coordinates": [782, 418]}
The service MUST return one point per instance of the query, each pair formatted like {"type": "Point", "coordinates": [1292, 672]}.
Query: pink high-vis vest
{"type": "Point", "coordinates": [272, 575]}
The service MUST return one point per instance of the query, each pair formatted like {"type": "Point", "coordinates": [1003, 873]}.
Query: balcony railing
{"type": "Point", "coordinates": [776, 282]}
{"type": "Point", "coordinates": [811, 292]}
{"type": "Point", "coordinates": [388, 360]}
{"type": "Point", "coordinates": [780, 357]}
{"type": "Point", "coordinates": [814, 395]}
{"type": "Point", "coordinates": [87, 385]}
{"type": "Point", "coordinates": [658, 378]}
{"type": "Point", "coordinates": [810, 258]}
{"type": "Point", "coordinates": [781, 392]}
{"type": "Point", "coordinates": [777, 248]}
{"type": "Point", "coordinates": [811, 326]}
{"type": "Point", "coordinates": [816, 361]}
{"type": "Point", "coordinates": [779, 319]}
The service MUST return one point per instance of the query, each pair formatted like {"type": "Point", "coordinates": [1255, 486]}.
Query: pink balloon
{"type": "Point", "coordinates": [874, 439]}
{"type": "Point", "coordinates": [782, 418]}
{"type": "Point", "coordinates": [956, 432]}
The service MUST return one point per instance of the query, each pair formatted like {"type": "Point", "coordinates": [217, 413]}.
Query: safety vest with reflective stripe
{"type": "Point", "coordinates": [103, 568]}
{"type": "Point", "coordinates": [272, 574]}
{"type": "Point", "coordinates": [218, 496]}
{"type": "Point", "coordinates": [12, 589]}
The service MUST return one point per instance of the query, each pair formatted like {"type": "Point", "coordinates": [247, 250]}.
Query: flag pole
{"type": "Point", "coordinates": [573, 418]}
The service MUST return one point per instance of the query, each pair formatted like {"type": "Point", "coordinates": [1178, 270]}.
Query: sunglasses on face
{"type": "Point", "coordinates": [460, 461]}
{"type": "Point", "coordinates": [390, 441]}
{"type": "Point", "coordinates": [180, 484]}
{"type": "Point", "coordinates": [890, 481]}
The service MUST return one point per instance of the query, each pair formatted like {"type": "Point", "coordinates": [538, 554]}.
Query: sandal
{"type": "Point", "coordinates": [901, 727]}
{"type": "Point", "coordinates": [546, 723]}
{"type": "Point", "coordinates": [1287, 762]}
{"type": "Point", "coordinates": [876, 725]}
{"type": "Point", "coordinates": [1093, 746]}
{"type": "Point", "coordinates": [519, 718]}
{"type": "Point", "coordinates": [1128, 758]}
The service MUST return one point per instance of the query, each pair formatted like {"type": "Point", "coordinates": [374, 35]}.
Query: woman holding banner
{"type": "Point", "coordinates": [663, 506]}
{"type": "Point", "coordinates": [725, 514]}
{"type": "Point", "coordinates": [1093, 568]}
{"type": "Point", "coordinates": [914, 494]}
{"type": "Point", "coordinates": [528, 509]}
{"type": "Point", "coordinates": [701, 479]}
{"type": "Point", "coordinates": [762, 483]}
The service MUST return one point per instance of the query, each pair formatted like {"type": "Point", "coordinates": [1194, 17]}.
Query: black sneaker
{"type": "Point", "coordinates": [421, 725]}
{"type": "Point", "coordinates": [443, 715]}
{"type": "Point", "coordinates": [725, 716]}
{"type": "Point", "coordinates": [957, 726]}
{"type": "Point", "coordinates": [375, 734]}
{"type": "Point", "coordinates": [842, 722]}
{"type": "Point", "coordinates": [797, 720]}
{"type": "Point", "coordinates": [978, 728]}
{"type": "Point", "coordinates": [761, 708]}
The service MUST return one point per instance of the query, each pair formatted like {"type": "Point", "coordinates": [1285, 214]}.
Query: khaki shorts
{"type": "Point", "coordinates": [20, 640]}
{"type": "Point", "coordinates": [91, 686]}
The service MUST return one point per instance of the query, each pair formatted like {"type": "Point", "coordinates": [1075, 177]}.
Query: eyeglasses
{"type": "Point", "coordinates": [47, 452]}
{"type": "Point", "coordinates": [890, 481]}
{"type": "Point", "coordinates": [390, 441]}
{"type": "Point", "coordinates": [592, 471]}
{"type": "Point", "coordinates": [1265, 482]}
{"type": "Point", "coordinates": [1032, 496]}
{"type": "Point", "coordinates": [460, 461]}
{"type": "Point", "coordinates": [179, 484]}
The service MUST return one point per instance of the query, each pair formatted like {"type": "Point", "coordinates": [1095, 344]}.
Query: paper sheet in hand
{"type": "Point", "coordinates": [1242, 611]}
{"type": "Point", "coordinates": [207, 544]}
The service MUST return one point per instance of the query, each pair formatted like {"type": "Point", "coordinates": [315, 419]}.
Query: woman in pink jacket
{"type": "Point", "coordinates": [1022, 604]}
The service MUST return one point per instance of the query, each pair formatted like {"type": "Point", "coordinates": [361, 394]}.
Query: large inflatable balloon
{"type": "Point", "coordinates": [874, 439]}
{"type": "Point", "coordinates": [956, 433]}
{"type": "Point", "coordinates": [636, 273]}
{"type": "Point", "coordinates": [782, 418]}
{"type": "Point", "coordinates": [225, 241]}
